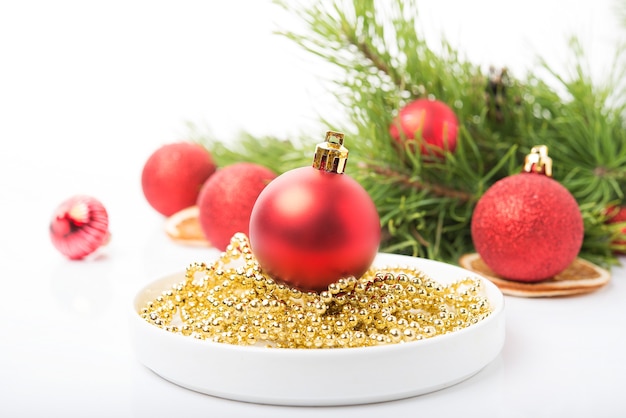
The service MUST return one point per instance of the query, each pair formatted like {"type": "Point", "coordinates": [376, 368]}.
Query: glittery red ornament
{"type": "Point", "coordinates": [314, 225]}
{"type": "Point", "coordinates": [79, 226]}
{"type": "Point", "coordinates": [173, 175]}
{"type": "Point", "coordinates": [226, 199]}
{"type": "Point", "coordinates": [618, 215]}
{"type": "Point", "coordinates": [432, 120]}
{"type": "Point", "coordinates": [528, 227]}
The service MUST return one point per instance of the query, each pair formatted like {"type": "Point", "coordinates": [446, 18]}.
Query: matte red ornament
{"type": "Point", "coordinates": [226, 200]}
{"type": "Point", "coordinates": [312, 226]}
{"type": "Point", "coordinates": [173, 175]}
{"type": "Point", "coordinates": [528, 227]}
{"type": "Point", "coordinates": [79, 226]}
{"type": "Point", "coordinates": [432, 121]}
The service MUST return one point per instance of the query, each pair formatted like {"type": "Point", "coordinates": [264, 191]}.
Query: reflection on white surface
{"type": "Point", "coordinates": [83, 288]}
{"type": "Point", "coordinates": [194, 404]}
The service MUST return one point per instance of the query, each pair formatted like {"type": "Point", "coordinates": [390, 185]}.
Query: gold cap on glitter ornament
{"type": "Point", "coordinates": [331, 155]}
{"type": "Point", "coordinates": [538, 161]}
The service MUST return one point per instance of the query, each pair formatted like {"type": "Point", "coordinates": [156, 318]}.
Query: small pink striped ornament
{"type": "Point", "coordinates": [79, 227]}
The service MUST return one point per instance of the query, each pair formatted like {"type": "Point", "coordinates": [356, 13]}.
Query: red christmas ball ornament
{"type": "Point", "coordinates": [79, 226]}
{"type": "Point", "coordinates": [432, 121]}
{"type": "Point", "coordinates": [314, 225]}
{"type": "Point", "coordinates": [173, 175]}
{"type": "Point", "coordinates": [528, 227]}
{"type": "Point", "coordinates": [618, 215]}
{"type": "Point", "coordinates": [226, 200]}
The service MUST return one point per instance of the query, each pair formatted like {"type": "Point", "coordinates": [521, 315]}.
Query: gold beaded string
{"type": "Point", "coordinates": [232, 301]}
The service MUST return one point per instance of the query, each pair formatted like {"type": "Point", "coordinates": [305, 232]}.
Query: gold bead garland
{"type": "Point", "coordinates": [232, 301]}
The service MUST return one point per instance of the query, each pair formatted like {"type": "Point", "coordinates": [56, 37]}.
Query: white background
{"type": "Point", "coordinates": [88, 90]}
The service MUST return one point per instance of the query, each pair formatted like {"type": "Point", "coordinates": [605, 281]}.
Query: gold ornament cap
{"type": "Point", "coordinates": [538, 161]}
{"type": "Point", "coordinates": [331, 155]}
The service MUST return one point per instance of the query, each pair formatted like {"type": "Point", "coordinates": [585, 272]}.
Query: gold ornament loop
{"type": "Point", "coordinates": [538, 161]}
{"type": "Point", "coordinates": [331, 155]}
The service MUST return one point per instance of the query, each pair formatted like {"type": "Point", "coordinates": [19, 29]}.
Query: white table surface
{"type": "Point", "coordinates": [66, 350]}
{"type": "Point", "coordinates": [88, 91]}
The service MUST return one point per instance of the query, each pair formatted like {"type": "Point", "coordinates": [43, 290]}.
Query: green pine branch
{"type": "Point", "coordinates": [426, 204]}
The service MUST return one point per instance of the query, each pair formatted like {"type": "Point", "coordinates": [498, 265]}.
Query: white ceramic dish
{"type": "Point", "coordinates": [341, 376]}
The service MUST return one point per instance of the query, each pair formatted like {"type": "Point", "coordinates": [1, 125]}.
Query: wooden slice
{"type": "Point", "coordinates": [184, 228]}
{"type": "Point", "coordinates": [580, 277]}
